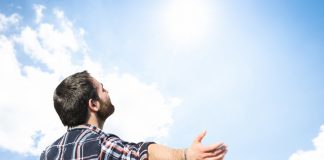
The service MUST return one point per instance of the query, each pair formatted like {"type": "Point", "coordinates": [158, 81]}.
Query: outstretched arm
{"type": "Point", "coordinates": [195, 152]}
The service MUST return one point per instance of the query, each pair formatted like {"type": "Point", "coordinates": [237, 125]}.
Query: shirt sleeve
{"type": "Point", "coordinates": [42, 156]}
{"type": "Point", "coordinates": [113, 147]}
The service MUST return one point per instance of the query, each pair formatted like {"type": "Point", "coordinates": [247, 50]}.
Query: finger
{"type": "Point", "coordinates": [213, 147]}
{"type": "Point", "coordinates": [200, 137]}
{"type": "Point", "coordinates": [214, 154]}
{"type": "Point", "coordinates": [220, 148]}
{"type": "Point", "coordinates": [220, 151]}
{"type": "Point", "coordinates": [219, 157]}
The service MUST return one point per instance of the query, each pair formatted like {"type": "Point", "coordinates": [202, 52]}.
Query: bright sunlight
{"type": "Point", "coordinates": [187, 21]}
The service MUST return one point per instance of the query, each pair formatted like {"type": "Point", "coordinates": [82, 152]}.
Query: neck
{"type": "Point", "coordinates": [100, 124]}
{"type": "Point", "coordinates": [93, 120]}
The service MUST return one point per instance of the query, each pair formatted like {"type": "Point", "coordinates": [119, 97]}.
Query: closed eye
{"type": "Point", "coordinates": [103, 89]}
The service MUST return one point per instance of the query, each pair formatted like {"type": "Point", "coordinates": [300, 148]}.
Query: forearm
{"type": "Point", "coordinates": [160, 152]}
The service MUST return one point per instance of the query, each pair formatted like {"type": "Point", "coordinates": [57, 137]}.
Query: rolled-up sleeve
{"type": "Point", "coordinates": [112, 147]}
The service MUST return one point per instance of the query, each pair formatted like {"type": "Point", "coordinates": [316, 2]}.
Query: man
{"type": "Point", "coordinates": [83, 104]}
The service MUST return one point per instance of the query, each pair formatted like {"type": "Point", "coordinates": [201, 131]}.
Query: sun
{"type": "Point", "coordinates": [186, 22]}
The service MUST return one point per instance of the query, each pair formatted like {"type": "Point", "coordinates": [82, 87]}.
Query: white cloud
{"type": "Point", "coordinates": [139, 106]}
{"type": "Point", "coordinates": [316, 154]}
{"type": "Point", "coordinates": [6, 22]}
{"type": "Point", "coordinates": [53, 44]}
{"type": "Point", "coordinates": [26, 109]}
{"type": "Point", "coordinates": [39, 12]}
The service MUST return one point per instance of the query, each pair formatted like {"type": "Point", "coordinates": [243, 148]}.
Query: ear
{"type": "Point", "coordinates": [93, 105]}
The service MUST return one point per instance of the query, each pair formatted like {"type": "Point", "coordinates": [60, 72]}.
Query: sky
{"type": "Point", "coordinates": [249, 72]}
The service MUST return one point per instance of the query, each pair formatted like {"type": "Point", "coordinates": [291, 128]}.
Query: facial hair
{"type": "Point", "coordinates": [106, 109]}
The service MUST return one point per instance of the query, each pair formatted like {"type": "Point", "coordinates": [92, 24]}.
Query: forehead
{"type": "Point", "coordinates": [96, 83]}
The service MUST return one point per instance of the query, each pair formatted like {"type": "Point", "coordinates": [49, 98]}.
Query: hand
{"type": "Point", "coordinates": [199, 152]}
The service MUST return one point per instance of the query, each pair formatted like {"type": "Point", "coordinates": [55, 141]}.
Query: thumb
{"type": "Point", "coordinates": [200, 136]}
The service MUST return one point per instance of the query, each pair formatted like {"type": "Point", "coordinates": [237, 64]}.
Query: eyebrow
{"type": "Point", "coordinates": [101, 85]}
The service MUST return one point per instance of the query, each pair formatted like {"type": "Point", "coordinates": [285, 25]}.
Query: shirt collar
{"type": "Point", "coordinates": [85, 126]}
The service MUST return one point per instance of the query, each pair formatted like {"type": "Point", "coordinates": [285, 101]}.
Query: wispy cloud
{"type": "Point", "coordinates": [28, 117]}
{"type": "Point", "coordinates": [6, 22]}
{"type": "Point", "coordinates": [316, 154]}
{"type": "Point", "coordinates": [39, 12]}
{"type": "Point", "coordinates": [140, 106]}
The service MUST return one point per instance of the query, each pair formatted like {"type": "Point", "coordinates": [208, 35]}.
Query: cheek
{"type": "Point", "coordinates": [105, 97]}
{"type": "Point", "coordinates": [102, 95]}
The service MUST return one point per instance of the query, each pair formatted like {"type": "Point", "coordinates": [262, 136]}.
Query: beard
{"type": "Point", "coordinates": [106, 109]}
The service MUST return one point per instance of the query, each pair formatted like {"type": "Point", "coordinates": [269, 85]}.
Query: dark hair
{"type": "Point", "coordinates": [71, 98]}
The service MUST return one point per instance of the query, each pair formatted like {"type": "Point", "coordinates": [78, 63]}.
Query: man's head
{"type": "Point", "coordinates": [75, 97]}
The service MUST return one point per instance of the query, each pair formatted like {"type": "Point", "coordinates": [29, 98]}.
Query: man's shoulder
{"type": "Point", "coordinates": [76, 136]}
{"type": "Point", "coordinates": [108, 137]}
{"type": "Point", "coordinates": [73, 141]}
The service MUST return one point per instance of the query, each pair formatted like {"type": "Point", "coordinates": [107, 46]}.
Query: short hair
{"type": "Point", "coordinates": [71, 98]}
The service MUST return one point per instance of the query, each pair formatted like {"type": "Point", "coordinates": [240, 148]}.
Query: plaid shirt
{"type": "Point", "coordinates": [89, 142]}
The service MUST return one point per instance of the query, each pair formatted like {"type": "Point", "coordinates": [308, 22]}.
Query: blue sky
{"type": "Point", "coordinates": [251, 73]}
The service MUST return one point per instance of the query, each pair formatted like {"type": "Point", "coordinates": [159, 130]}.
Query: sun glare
{"type": "Point", "coordinates": [187, 21]}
